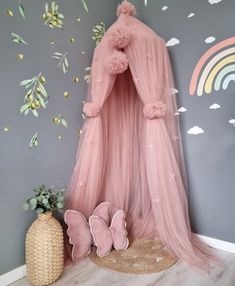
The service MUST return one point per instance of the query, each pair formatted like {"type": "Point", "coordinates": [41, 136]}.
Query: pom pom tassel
{"type": "Point", "coordinates": [117, 63]}
{"type": "Point", "coordinates": [119, 37]}
{"type": "Point", "coordinates": [126, 8]}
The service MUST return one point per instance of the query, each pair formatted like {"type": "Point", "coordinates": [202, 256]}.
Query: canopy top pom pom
{"type": "Point", "coordinates": [126, 8]}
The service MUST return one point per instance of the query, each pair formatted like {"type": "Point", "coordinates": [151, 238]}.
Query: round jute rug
{"type": "Point", "coordinates": [142, 257]}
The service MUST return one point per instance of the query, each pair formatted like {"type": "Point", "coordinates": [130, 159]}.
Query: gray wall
{"type": "Point", "coordinates": [52, 161]}
{"type": "Point", "coordinates": [210, 156]}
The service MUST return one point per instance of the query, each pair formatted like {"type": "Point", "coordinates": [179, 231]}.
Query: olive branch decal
{"type": "Point", "coordinates": [17, 39]}
{"type": "Point", "coordinates": [34, 141]}
{"type": "Point", "coordinates": [98, 32]}
{"type": "Point", "coordinates": [52, 17]}
{"type": "Point", "coordinates": [59, 119]}
{"type": "Point", "coordinates": [84, 4]}
{"type": "Point", "coordinates": [21, 9]}
{"type": "Point", "coordinates": [35, 96]}
{"type": "Point", "coordinates": [63, 61]}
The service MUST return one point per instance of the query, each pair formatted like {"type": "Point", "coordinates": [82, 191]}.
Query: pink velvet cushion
{"type": "Point", "coordinates": [102, 236]}
{"type": "Point", "coordinates": [105, 236]}
{"type": "Point", "coordinates": [103, 211]}
{"type": "Point", "coordinates": [79, 234]}
{"type": "Point", "coordinates": [119, 232]}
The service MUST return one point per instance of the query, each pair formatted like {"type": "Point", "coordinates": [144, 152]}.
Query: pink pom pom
{"type": "Point", "coordinates": [116, 63]}
{"type": "Point", "coordinates": [91, 109]}
{"type": "Point", "coordinates": [126, 8]}
{"type": "Point", "coordinates": [154, 110]}
{"type": "Point", "coordinates": [119, 37]}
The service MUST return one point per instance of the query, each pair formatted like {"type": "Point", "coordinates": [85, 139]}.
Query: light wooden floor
{"type": "Point", "coordinates": [86, 273]}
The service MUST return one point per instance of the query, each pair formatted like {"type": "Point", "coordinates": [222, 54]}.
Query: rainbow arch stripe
{"type": "Point", "coordinates": [215, 69]}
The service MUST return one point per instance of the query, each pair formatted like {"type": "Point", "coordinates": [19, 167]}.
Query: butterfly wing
{"type": "Point", "coordinates": [79, 234]}
{"type": "Point", "coordinates": [103, 211]}
{"type": "Point", "coordinates": [101, 234]}
{"type": "Point", "coordinates": [119, 232]}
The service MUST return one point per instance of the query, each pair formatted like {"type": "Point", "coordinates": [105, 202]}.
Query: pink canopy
{"type": "Point", "coordinates": [130, 152]}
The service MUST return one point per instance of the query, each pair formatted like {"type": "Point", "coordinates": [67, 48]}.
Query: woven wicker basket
{"type": "Point", "coordinates": [44, 250]}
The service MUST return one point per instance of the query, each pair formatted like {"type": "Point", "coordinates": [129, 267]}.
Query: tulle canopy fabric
{"type": "Point", "coordinates": [130, 152]}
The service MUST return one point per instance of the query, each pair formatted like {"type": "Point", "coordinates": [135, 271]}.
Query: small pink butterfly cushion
{"type": "Point", "coordinates": [79, 234]}
{"type": "Point", "coordinates": [105, 237]}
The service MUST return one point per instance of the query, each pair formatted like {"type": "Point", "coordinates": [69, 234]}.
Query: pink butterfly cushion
{"type": "Point", "coordinates": [102, 236]}
{"type": "Point", "coordinates": [79, 234]}
{"type": "Point", "coordinates": [103, 211]}
{"type": "Point", "coordinates": [105, 237]}
{"type": "Point", "coordinates": [118, 230]}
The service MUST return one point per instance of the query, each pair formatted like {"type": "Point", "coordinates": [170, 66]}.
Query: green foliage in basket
{"type": "Point", "coordinates": [45, 199]}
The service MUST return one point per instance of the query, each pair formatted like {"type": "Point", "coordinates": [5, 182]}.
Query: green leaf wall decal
{"type": "Point", "coordinates": [98, 32]}
{"type": "Point", "coordinates": [36, 95]}
{"type": "Point", "coordinates": [63, 61]}
{"type": "Point", "coordinates": [21, 9]}
{"type": "Point", "coordinates": [17, 39]}
{"type": "Point", "coordinates": [52, 17]}
{"type": "Point", "coordinates": [34, 140]}
{"type": "Point", "coordinates": [85, 5]}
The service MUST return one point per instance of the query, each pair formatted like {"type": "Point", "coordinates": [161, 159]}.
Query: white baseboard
{"type": "Point", "coordinates": [20, 272]}
{"type": "Point", "coordinates": [13, 275]}
{"type": "Point", "coordinates": [218, 244]}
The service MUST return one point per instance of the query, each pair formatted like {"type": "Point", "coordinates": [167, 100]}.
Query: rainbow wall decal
{"type": "Point", "coordinates": [215, 69]}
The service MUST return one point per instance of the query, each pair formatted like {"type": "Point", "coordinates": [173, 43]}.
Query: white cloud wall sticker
{"type": "Point", "coordinates": [214, 1]}
{"type": "Point", "coordinates": [191, 15]}
{"type": "Point", "coordinates": [172, 42]}
{"type": "Point", "coordinates": [174, 91]}
{"type": "Point", "coordinates": [182, 109]}
{"type": "Point", "coordinates": [195, 130]}
{"type": "Point", "coordinates": [232, 121]}
{"type": "Point", "coordinates": [215, 106]}
{"type": "Point", "coordinates": [210, 39]}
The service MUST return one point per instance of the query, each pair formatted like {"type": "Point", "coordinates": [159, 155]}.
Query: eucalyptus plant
{"type": "Point", "coordinates": [45, 200]}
